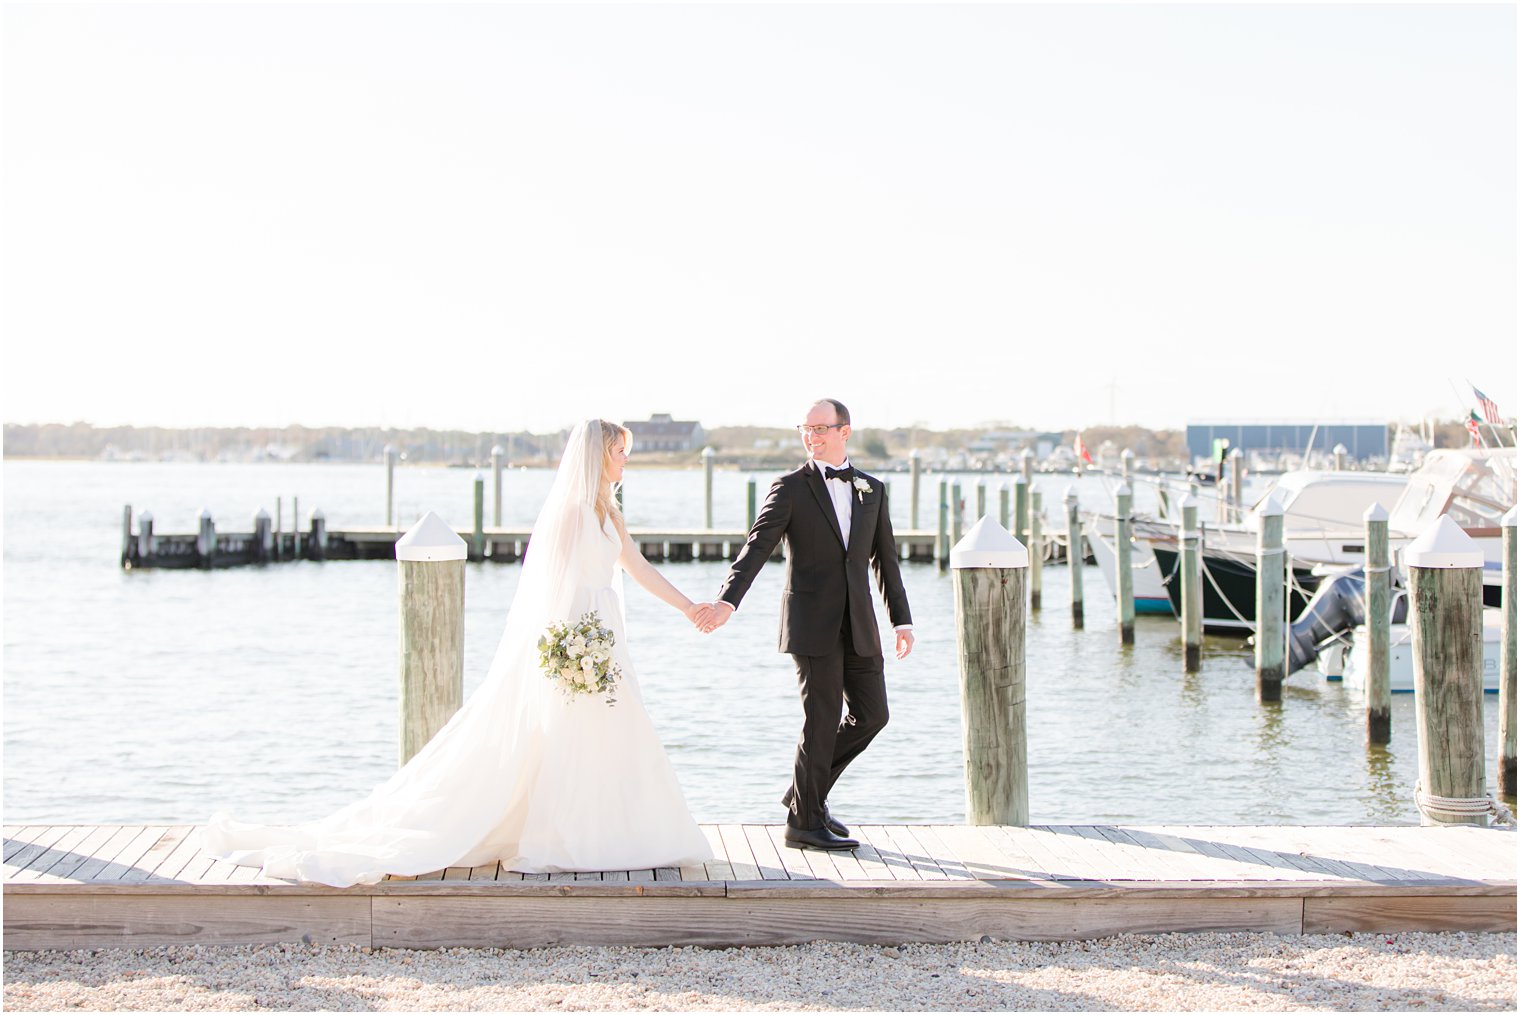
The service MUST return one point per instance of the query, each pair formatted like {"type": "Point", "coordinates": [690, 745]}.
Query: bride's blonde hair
{"type": "Point", "coordinates": [606, 504]}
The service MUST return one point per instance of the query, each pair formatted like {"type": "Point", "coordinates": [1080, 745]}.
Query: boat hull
{"type": "Point", "coordinates": [1229, 591]}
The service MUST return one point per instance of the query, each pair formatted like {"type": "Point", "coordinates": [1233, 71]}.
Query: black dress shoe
{"type": "Point", "coordinates": [817, 838]}
{"type": "Point", "coordinates": [834, 825]}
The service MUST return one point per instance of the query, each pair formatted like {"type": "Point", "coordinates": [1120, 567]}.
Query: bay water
{"type": "Point", "coordinates": [150, 697]}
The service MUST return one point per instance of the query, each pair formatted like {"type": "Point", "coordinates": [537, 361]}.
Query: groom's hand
{"type": "Point", "coordinates": [904, 644]}
{"type": "Point", "coordinates": [700, 615]}
{"type": "Point", "coordinates": [721, 611]}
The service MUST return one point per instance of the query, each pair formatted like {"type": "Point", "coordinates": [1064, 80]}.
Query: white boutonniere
{"type": "Point", "coordinates": [862, 488]}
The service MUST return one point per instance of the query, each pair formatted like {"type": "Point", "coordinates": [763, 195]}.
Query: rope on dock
{"type": "Point", "coordinates": [1461, 807]}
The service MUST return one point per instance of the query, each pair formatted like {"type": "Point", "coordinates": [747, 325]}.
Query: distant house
{"type": "Point", "coordinates": [661, 433]}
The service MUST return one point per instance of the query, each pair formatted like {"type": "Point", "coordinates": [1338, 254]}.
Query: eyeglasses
{"type": "Point", "coordinates": [818, 429]}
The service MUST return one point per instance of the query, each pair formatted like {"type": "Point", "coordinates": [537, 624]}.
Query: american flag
{"type": "Point", "coordinates": [1490, 410]}
{"type": "Point", "coordinates": [1472, 428]}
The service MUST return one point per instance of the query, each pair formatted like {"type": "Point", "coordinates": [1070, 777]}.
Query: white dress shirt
{"type": "Point", "coordinates": [842, 494]}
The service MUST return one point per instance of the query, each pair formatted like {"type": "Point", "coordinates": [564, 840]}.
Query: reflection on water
{"type": "Point", "coordinates": [162, 696]}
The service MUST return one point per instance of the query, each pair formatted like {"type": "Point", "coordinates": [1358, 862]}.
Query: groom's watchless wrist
{"type": "Point", "coordinates": [731, 607]}
{"type": "Point", "coordinates": [903, 627]}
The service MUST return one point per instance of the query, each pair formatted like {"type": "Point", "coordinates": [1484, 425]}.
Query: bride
{"type": "Point", "coordinates": [522, 773]}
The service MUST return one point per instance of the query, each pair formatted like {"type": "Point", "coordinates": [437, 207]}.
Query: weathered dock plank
{"type": "Point", "coordinates": [89, 886]}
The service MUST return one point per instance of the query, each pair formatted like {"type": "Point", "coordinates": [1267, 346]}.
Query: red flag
{"type": "Point", "coordinates": [1489, 407]}
{"type": "Point", "coordinates": [1472, 428]}
{"type": "Point", "coordinates": [1081, 450]}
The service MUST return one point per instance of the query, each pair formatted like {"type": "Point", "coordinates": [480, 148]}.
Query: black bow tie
{"type": "Point", "coordinates": [847, 473]}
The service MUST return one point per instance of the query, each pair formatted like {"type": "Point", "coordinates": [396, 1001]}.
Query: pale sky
{"type": "Point", "coordinates": [504, 217]}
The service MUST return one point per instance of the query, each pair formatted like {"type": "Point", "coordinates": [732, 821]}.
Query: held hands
{"type": "Point", "coordinates": [708, 617]}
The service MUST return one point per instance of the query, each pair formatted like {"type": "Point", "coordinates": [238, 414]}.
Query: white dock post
{"type": "Point", "coordinates": [295, 526]}
{"type": "Point", "coordinates": [1026, 467]}
{"type": "Point", "coordinates": [1036, 548]}
{"type": "Point", "coordinates": [990, 566]}
{"type": "Point", "coordinates": [1124, 576]}
{"type": "Point", "coordinates": [913, 474]}
{"type": "Point", "coordinates": [205, 540]}
{"type": "Point", "coordinates": [981, 498]}
{"type": "Point", "coordinates": [1192, 585]}
{"type": "Point", "coordinates": [1506, 662]}
{"type": "Point", "coordinates": [390, 492]}
{"type": "Point", "coordinates": [749, 503]}
{"type": "Point", "coordinates": [1126, 464]}
{"type": "Point", "coordinates": [498, 453]}
{"type": "Point", "coordinates": [1446, 618]}
{"type": "Point", "coordinates": [1271, 574]}
{"type": "Point", "coordinates": [1020, 509]}
{"type": "Point", "coordinates": [1340, 457]}
{"type": "Point", "coordinates": [1074, 555]}
{"type": "Point", "coordinates": [1377, 583]}
{"type": "Point", "coordinates": [279, 521]}
{"type": "Point", "coordinates": [478, 530]}
{"type": "Point", "coordinates": [707, 479]}
{"type": "Point", "coordinates": [431, 563]}
{"type": "Point", "coordinates": [1003, 492]}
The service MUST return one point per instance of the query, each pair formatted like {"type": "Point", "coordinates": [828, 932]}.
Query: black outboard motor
{"type": "Point", "coordinates": [1336, 608]}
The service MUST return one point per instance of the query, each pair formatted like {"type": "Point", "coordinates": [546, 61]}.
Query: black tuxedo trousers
{"type": "Point", "coordinates": [828, 624]}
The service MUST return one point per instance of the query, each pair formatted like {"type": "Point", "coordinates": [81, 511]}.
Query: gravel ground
{"type": "Point", "coordinates": [1406, 972]}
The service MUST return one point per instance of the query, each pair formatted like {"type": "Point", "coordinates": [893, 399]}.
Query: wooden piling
{"type": "Point", "coordinates": [1506, 663]}
{"type": "Point", "coordinates": [1340, 457]}
{"type": "Point", "coordinates": [146, 545]}
{"type": "Point", "coordinates": [263, 537]}
{"type": "Point", "coordinates": [1003, 493]}
{"type": "Point", "coordinates": [1446, 619]}
{"type": "Point", "coordinates": [497, 454]}
{"type": "Point", "coordinates": [981, 498]}
{"type": "Point", "coordinates": [1271, 574]}
{"type": "Point", "coordinates": [957, 513]}
{"type": "Point", "coordinates": [749, 503]}
{"type": "Point", "coordinates": [1026, 467]}
{"type": "Point", "coordinates": [205, 540]}
{"type": "Point", "coordinates": [295, 527]}
{"type": "Point", "coordinates": [1237, 474]}
{"type": "Point", "coordinates": [1074, 555]}
{"type": "Point", "coordinates": [1020, 509]}
{"type": "Point", "coordinates": [942, 537]}
{"type": "Point", "coordinates": [707, 487]}
{"type": "Point", "coordinates": [1126, 464]}
{"type": "Point", "coordinates": [990, 567]}
{"type": "Point", "coordinates": [1191, 575]}
{"type": "Point", "coordinates": [431, 560]}
{"type": "Point", "coordinates": [126, 536]}
{"type": "Point", "coordinates": [913, 483]}
{"type": "Point", "coordinates": [1378, 586]}
{"type": "Point", "coordinates": [1036, 548]}
{"type": "Point", "coordinates": [1124, 577]}
{"type": "Point", "coordinates": [279, 521]}
{"type": "Point", "coordinates": [390, 493]}
{"type": "Point", "coordinates": [478, 532]}
{"type": "Point", "coordinates": [318, 548]}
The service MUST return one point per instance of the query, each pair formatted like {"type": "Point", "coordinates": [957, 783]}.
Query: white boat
{"type": "Point", "coordinates": [1401, 657]}
{"type": "Point", "coordinates": [1145, 576]}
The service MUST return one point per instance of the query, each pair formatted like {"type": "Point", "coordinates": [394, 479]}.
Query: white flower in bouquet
{"type": "Point", "coordinates": [578, 657]}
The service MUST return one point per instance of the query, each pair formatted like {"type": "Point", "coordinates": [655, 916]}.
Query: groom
{"type": "Point", "coordinates": [835, 523]}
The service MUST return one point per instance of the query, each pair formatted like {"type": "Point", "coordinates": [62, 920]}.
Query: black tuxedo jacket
{"type": "Point", "coordinates": [822, 580]}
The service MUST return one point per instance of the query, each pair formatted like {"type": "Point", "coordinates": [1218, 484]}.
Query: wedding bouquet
{"type": "Point", "coordinates": [579, 657]}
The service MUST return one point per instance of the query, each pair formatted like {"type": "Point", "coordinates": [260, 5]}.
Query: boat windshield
{"type": "Point", "coordinates": [1474, 487]}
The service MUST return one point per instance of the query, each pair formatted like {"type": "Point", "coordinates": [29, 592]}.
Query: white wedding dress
{"type": "Point", "coordinates": [522, 773]}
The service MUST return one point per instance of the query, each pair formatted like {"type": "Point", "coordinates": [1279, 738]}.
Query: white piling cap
{"type": "Point", "coordinates": [1444, 544]}
{"type": "Point", "coordinates": [1376, 513]}
{"type": "Point", "coordinates": [1071, 493]}
{"type": "Point", "coordinates": [1018, 477]}
{"type": "Point", "coordinates": [205, 513]}
{"type": "Point", "coordinates": [430, 539]}
{"type": "Point", "coordinates": [1339, 449]}
{"type": "Point", "coordinates": [1237, 453]}
{"type": "Point", "coordinates": [147, 516]}
{"type": "Point", "coordinates": [497, 449]}
{"type": "Point", "coordinates": [1123, 491]}
{"type": "Point", "coordinates": [1271, 507]}
{"type": "Point", "coordinates": [1508, 521]}
{"type": "Point", "coordinates": [319, 513]}
{"type": "Point", "coordinates": [480, 477]}
{"type": "Point", "coordinates": [390, 449]}
{"type": "Point", "coordinates": [261, 516]}
{"type": "Point", "coordinates": [1189, 501]}
{"type": "Point", "coordinates": [988, 544]}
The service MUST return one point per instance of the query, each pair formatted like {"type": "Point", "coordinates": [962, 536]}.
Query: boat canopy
{"type": "Point", "coordinates": [1474, 486]}
{"type": "Point", "coordinates": [1324, 500]}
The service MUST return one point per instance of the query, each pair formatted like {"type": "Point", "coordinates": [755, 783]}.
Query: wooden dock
{"type": "Point", "coordinates": [92, 886]}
